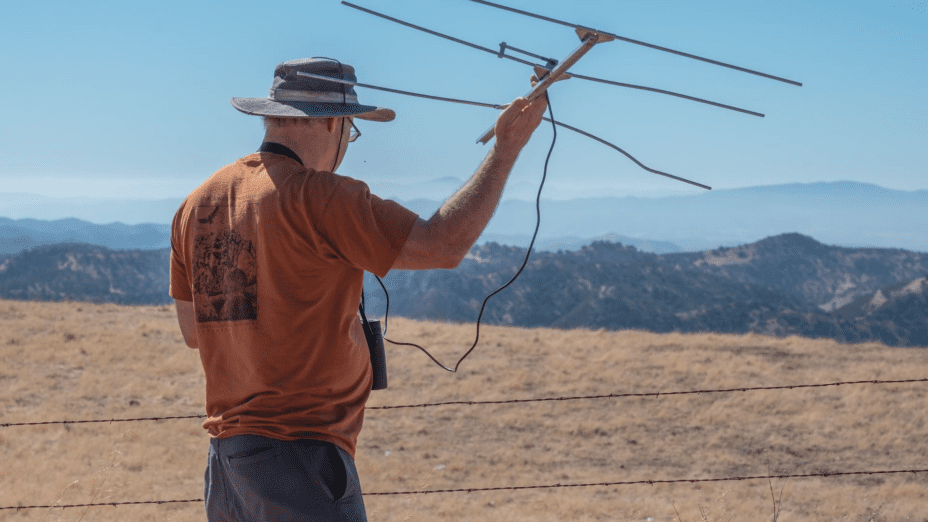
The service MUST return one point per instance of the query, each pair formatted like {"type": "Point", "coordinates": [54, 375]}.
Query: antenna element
{"type": "Point", "coordinates": [638, 42]}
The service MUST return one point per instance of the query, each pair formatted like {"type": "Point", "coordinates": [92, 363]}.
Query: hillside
{"type": "Point", "coordinates": [79, 271]}
{"type": "Point", "coordinates": [80, 361]}
{"type": "Point", "coordinates": [829, 276]}
{"type": "Point", "coordinates": [783, 285]}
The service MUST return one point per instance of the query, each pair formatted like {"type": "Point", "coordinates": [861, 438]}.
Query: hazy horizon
{"type": "Point", "coordinates": [847, 214]}
{"type": "Point", "coordinates": [416, 190]}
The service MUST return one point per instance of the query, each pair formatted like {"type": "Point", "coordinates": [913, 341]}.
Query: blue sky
{"type": "Point", "coordinates": [131, 99]}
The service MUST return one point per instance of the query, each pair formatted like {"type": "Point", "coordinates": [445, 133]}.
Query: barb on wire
{"type": "Point", "coordinates": [657, 394]}
{"type": "Point", "coordinates": [513, 488]}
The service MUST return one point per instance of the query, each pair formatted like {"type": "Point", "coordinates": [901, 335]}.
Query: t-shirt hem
{"type": "Point", "coordinates": [315, 436]}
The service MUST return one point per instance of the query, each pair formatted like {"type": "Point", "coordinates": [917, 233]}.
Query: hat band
{"type": "Point", "coordinates": [320, 97]}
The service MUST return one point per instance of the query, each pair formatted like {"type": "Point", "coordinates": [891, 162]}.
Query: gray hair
{"type": "Point", "coordinates": [278, 122]}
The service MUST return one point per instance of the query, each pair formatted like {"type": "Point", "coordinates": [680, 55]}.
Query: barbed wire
{"type": "Point", "coordinates": [652, 482]}
{"type": "Point", "coordinates": [649, 394]}
{"type": "Point", "coordinates": [114, 504]}
{"type": "Point", "coordinates": [98, 420]}
{"type": "Point", "coordinates": [513, 488]}
{"type": "Point", "coordinates": [512, 401]}
{"type": "Point", "coordinates": [515, 401]}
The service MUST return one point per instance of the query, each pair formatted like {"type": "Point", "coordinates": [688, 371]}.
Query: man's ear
{"type": "Point", "coordinates": [332, 123]}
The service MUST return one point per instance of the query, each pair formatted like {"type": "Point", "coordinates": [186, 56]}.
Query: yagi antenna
{"type": "Point", "coordinates": [554, 70]}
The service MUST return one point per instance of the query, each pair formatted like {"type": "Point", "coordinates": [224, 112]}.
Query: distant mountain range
{"type": "Point", "coordinates": [22, 234]}
{"type": "Point", "coordinates": [787, 284]}
{"type": "Point", "coordinates": [837, 213]}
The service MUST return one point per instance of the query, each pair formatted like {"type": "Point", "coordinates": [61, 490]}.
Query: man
{"type": "Point", "coordinates": [267, 263]}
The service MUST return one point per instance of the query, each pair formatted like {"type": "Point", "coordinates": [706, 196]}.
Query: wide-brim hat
{"type": "Point", "coordinates": [296, 96]}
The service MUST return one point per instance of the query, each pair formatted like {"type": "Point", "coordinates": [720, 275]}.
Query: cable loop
{"type": "Point", "coordinates": [528, 253]}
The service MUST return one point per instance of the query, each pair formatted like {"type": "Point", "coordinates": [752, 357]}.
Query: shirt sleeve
{"type": "Point", "coordinates": [179, 287]}
{"type": "Point", "coordinates": [362, 229]}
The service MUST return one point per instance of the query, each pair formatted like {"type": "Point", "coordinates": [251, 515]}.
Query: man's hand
{"type": "Point", "coordinates": [516, 124]}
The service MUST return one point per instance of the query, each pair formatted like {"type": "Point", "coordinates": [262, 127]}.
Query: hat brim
{"type": "Point", "coordinates": [293, 109]}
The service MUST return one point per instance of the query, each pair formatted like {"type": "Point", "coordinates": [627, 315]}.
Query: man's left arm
{"type": "Point", "coordinates": [179, 287]}
{"type": "Point", "coordinates": [187, 321]}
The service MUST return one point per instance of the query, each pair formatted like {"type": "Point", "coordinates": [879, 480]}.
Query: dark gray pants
{"type": "Point", "coordinates": [251, 478]}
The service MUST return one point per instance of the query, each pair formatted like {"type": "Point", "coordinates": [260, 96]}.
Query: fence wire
{"type": "Point", "coordinates": [516, 401]}
{"type": "Point", "coordinates": [513, 488]}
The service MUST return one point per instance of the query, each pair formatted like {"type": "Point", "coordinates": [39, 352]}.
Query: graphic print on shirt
{"type": "Point", "coordinates": [225, 275]}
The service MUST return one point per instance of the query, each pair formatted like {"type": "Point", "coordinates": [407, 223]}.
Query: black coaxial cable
{"type": "Point", "coordinates": [500, 289]}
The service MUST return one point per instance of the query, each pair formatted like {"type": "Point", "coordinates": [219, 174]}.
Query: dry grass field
{"type": "Point", "coordinates": [81, 361]}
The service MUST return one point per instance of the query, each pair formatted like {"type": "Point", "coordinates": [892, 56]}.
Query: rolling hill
{"type": "Point", "coordinates": [782, 285]}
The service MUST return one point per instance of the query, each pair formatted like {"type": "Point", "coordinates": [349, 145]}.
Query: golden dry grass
{"type": "Point", "coordinates": [83, 361]}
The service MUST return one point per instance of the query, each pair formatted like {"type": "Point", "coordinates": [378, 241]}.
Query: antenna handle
{"type": "Point", "coordinates": [588, 40]}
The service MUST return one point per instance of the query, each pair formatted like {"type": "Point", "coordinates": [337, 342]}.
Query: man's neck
{"type": "Point", "coordinates": [311, 146]}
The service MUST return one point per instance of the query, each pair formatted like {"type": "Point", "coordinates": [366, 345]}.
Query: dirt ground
{"type": "Point", "coordinates": [79, 361]}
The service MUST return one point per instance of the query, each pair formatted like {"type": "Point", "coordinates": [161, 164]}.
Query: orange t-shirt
{"type": "Point", "coordinates": [273, 257]}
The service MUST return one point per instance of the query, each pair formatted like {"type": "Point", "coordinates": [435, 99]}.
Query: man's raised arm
{"type": "Point", "coordinates": [444, 240]}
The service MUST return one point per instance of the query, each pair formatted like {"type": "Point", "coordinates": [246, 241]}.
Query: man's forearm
{"type": "Point", "coordinates": [463, 217]}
